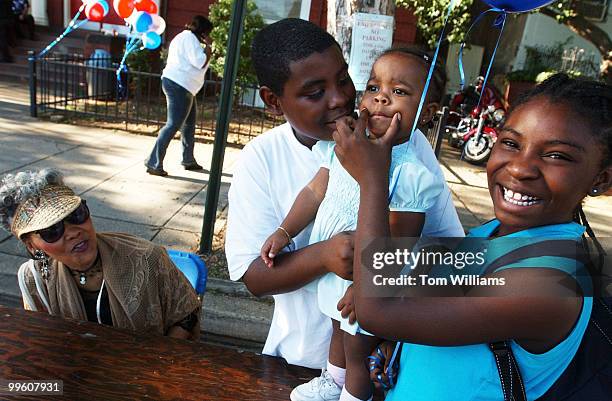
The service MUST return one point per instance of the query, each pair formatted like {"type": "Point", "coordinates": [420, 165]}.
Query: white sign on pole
{"type": "Point", "coordinates": [372, 34]}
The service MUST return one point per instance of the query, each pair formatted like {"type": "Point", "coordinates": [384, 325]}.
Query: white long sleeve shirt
{"type": "Point", "coordinates": [187, 62]}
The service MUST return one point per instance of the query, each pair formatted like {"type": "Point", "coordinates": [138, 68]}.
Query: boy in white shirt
{"type": "Point", "coordinates": [304, 77]}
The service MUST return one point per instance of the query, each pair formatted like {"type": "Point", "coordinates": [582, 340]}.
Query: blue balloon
{"type": "Point", "coordinates": [151, 40]}
{"type": "Point", "coordinates": [105, 6]}
{"type": "Point", "coordinates": [142, 22]}
{"type": "Point", "coordinates": [517, 6]}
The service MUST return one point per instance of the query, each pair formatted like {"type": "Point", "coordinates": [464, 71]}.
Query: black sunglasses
{"type": "Point", "coordinates": [56, 231]}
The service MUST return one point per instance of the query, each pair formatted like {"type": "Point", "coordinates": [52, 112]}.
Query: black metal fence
{"type": "Point", "coordinates": [87, 89]}
{"type": "Point", "coordinates": [435, 134]}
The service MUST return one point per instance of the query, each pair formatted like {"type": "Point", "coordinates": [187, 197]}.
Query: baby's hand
{"type": "Point", "coordinates": [273, 245]}
{"type": "Point", "coordinates": [346, 306]}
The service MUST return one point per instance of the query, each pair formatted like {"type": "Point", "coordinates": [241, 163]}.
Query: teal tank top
{"type": "Point", "coordinates": [469, 373]}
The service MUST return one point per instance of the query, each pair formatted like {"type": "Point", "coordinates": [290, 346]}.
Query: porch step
{"type": "Point", "coordinates": [18, 70]}
{"type": "Point", "coordinates": [14, 72]}
{"type": "Point", "coordinates": [229, 310]}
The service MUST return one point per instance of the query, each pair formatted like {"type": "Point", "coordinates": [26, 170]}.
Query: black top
{"type": "Point", "coordinates": [6, 11]}
{"type": "Point", "coordinates": [90, 299]}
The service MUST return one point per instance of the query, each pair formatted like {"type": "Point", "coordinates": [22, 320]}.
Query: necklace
{"type": "Point", "coordinates": [90, 272]}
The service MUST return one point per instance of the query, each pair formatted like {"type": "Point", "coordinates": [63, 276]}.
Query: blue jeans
{"type": "Point", "coordinates": [181, 115]}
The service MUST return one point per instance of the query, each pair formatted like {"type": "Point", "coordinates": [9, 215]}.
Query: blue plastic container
{"type": "Point", "coordinates": [193, 267]}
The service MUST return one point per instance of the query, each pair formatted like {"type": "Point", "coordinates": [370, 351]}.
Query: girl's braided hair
{"type": "Point", "coordinates": [591, 101]}
{"type": "Point", "coordinates": [15, 188]}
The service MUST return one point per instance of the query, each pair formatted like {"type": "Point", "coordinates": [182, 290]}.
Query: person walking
{"type": "Point", "coordinates": [188, 59]}
{"type": "Point", "coordinates": [6, 37]}
{"type": "Point", "coordinates": [24, 21]}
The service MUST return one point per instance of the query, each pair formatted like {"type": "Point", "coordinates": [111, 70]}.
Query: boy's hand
{"type": "Point", "coordinates": [338, 254]}
{"type": "Point", "coordinates": [346, 306]}
{"type": "Point", "coordinates": [378, 364]}
{"type": "Point", "coordinates": [273, 245]}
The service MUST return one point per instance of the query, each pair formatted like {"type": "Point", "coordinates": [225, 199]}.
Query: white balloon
{"type": "Point", "coordinates": [159, 25]}
{"type": "Point", "coordinates": [132, 18]}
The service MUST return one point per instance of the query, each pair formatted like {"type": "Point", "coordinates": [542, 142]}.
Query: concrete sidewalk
{"type": "Point", "coordinates": [106, 168]}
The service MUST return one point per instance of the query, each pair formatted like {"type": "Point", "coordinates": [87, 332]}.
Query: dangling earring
{"type": "Point", "coordinates": [594, 192]}
{"type": "Point", "coordinates": [44, 263]}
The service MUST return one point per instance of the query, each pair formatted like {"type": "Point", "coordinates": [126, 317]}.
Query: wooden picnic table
{"type": "Point", "coordinates": [97, 362]}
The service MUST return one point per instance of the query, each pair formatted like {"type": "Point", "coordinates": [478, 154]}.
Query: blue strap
{"type": "Point", "coordinates": [390, 371]}
{"type": "Point", "coordinates": [431, 70]}
{"type": "Point", "coordinates": [427, 82]}
{"type": "Point", "coordinates": [72, 25]}
{"type": "Point", "coordinates": [500, 22]}
{"type": "Point", "coordinates": [460, 58]}
{"type": "Point", "coordinates": [395, 182]}
{"type": "Point", "coordinates": [131, 45]}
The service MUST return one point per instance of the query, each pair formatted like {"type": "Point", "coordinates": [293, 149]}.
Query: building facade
{"type": "Point", "coordinates": [179, 12]}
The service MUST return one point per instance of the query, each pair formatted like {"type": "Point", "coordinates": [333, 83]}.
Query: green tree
{"type": "Point", "coordinates": [430, 19]}
{"type": "Point", "coordinates": [220, 15]}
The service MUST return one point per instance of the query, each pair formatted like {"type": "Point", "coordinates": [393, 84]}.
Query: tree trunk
{"type": "Point", "coordinates": [340, 17]}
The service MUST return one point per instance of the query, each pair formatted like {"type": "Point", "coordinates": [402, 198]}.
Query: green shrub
{"type": "Point", "coordinates": [540, 61]}
{"type": "Point", "coordinates": [220, 15]}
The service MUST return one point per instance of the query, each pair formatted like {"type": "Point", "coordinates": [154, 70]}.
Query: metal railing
{"type": "Point", "coordinates": [435, 134]}
{"type": "Point", "coordinates": [87, 89]}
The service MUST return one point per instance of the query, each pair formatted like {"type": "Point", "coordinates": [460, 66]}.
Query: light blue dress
{"type": "Point", "coordinates": [412, 186]}
{"type": "Point", "coordinates": [469, 373]}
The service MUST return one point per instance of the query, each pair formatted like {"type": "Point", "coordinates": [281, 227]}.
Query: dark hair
{"type": "Point", "coordinates": [200, 25]}
{"type": "Point", "coordinates": [283, 42]}
{"type": "Point", "coordinates": [438, 79]}
{"type": "Point", "coordinates": [592, 102]}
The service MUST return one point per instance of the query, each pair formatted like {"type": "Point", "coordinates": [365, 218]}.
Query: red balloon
{"type": "Point", "coordinates": [123, 8]}
{"type": "Point", "coordinates": [146, 5]}
{"type": "Point", "coordinates": [94, 12]}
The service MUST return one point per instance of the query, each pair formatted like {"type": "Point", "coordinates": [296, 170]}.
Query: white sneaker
{"type": "Point", "coordinates": [322, 388]}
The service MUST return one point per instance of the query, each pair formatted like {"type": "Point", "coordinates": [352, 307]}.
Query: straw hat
{"type": "Point", "coordinates": [52, 206]}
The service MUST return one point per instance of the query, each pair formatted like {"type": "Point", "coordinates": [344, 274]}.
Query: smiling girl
{"type": "Point", "coordinates": [553, 151]}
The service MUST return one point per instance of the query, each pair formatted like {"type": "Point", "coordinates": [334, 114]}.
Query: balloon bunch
{"type": "Point", "coordinates": [142, 17]}
{"type": "Point", "coordinates": [95, 10]}
{"type": "Point", "coordinates": [146, 28]}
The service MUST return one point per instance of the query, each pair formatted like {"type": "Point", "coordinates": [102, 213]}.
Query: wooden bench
{"type": "Point", "coordinates": [96, 362]}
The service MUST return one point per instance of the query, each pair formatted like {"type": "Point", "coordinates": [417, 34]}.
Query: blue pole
{"type": "Point", "coordinates": [33, 83]}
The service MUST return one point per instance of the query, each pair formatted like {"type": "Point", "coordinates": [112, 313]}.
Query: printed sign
{"type": "Point", "coordinates": [372, 34]}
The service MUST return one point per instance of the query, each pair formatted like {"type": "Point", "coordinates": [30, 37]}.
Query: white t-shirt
{"type": "Point", "coordinates": [272, 170]}
{"type": "Point", "coordinates": [186, 60]}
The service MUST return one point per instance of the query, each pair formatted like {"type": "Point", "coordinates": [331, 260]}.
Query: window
{"type": "Point", "coordinates": [274, 10]}
{"type": "Point", "coordinates": [592, 9]}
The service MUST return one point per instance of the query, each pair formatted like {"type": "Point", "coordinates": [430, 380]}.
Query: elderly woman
{"type": "Point", "coordinates": [109, 278]}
